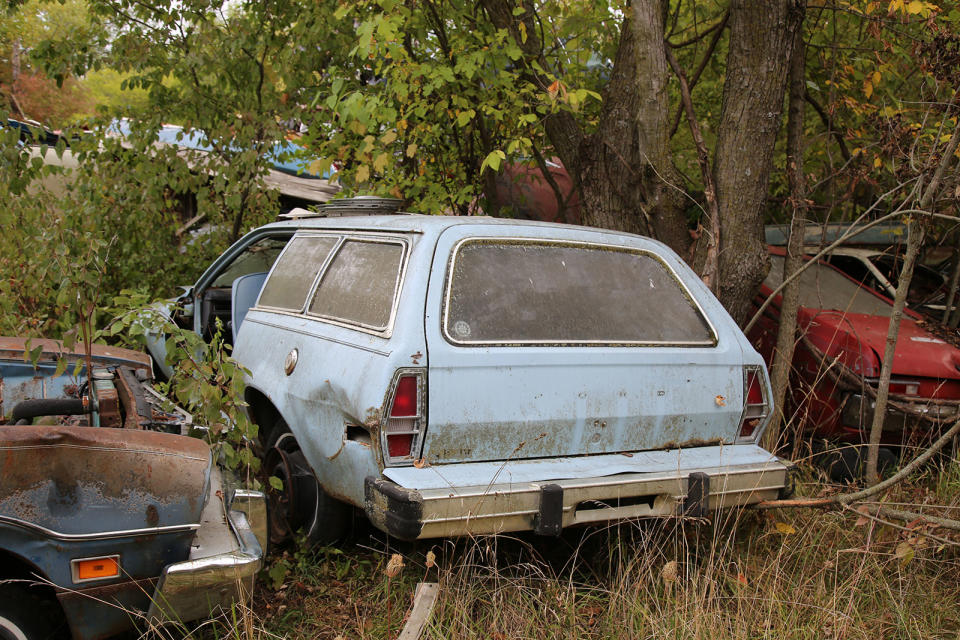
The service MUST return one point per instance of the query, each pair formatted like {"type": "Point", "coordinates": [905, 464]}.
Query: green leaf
{"type": "Point", "coordinates": [493, 160]}
{"type": "Point", "coordinates": [276, 483]}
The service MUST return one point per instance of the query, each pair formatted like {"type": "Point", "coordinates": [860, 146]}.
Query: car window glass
{"type": "Point", "coordinates": [853, 267]}
{"type": "Point", "coordinates": [360, 284]}
{"type": "Point", "coordinates": [523, 291]}
{"type": "Point", "coordinates": [822, 287]}
{"type": "Point", "coordinates": [257, 258]}
{"type": "Point", "coordinates": [925, 285]}
{"type": "Point", "coordinates": [290, 282]}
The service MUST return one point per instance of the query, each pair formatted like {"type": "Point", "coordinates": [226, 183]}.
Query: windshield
{"type": "Point", "coordinates": [822, 287]}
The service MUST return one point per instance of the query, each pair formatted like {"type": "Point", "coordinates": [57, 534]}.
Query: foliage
{"type": "Point", "coordinates": [207, 382]}
{"type": "Point", "coordinates": [108, 88]}
{"type": "Point", "coordinates": [428, 101]}
{"type": "Point", "coordinates": [61, 34]}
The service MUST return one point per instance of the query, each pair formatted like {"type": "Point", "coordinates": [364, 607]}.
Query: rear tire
{"type": "Point", "coordinates": [301, 505]}
{"type": "Point", "coordinates": [25, 614]}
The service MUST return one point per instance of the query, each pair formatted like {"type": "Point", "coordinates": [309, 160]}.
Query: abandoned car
{"type": "Point", "coordinates": [469, 375]}
{"type": "Point", "coordinates": [842, 327]}
{"type": "Point", "coordinates": [108, 515]}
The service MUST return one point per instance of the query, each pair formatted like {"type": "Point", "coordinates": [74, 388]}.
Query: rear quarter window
{"type": "Point", "coordinates": [360, 286]}
{"type": "Point", "coordinates": [532, 292]}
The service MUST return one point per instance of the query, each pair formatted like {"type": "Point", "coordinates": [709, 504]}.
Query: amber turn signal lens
{"type": "Point", "coordinates": [95, 568]}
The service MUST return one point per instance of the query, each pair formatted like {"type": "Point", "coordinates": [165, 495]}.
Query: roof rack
{"type": "Point", "coordinates": [356, 206]}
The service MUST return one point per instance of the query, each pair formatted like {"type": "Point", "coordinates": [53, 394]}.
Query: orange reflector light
{"type": "Point", "coordinates": [96, 568]}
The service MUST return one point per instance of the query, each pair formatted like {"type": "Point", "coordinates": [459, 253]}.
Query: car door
{"type": "Point", "coordinates": [209, 301]}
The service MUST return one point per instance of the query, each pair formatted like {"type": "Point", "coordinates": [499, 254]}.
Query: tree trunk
{"type": "Point", "coordinates": [761, 38]}
{"type": "Point", "coordinates": [627, 177]}
{"type": "Point", "coordinates": [625, 171]}
{"type": "Point", "coordinates": [787, 332]}
{"type": "Point", "coordinates": [914, 240]}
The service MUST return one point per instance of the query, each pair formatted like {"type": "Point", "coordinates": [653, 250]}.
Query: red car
{"type": "Point", "coordinates": [841, 332]}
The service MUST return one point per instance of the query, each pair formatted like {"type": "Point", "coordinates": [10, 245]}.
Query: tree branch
{"type": "Point", "coordinates": [710, 269]}
{"type": "Point", "coordinates": [703, 65]}
{"type": "Point", "coordinates": [828, 123]}
{"type": "Point", "coordinates": [719, 24]}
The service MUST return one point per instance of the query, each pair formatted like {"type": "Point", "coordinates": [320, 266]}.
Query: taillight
{"type": "Point", "coordinates": [755, 405]}
{"type": "Point", "coordinates": [403, 426]}
{"type": "Point", "coordinates": [904, 387]}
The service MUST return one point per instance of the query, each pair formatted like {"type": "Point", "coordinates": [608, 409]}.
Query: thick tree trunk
{"type": "Point", "coordinates": [625, 173]}
{"type": "Point", "coordinates": [627, 177]}
{"type": "Point", "coordinates": [787, 332]}
{"type": "Point", "coordinates": [761, 39]}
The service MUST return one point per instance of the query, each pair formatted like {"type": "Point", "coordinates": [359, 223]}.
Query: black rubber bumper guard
{"type": "Point", "coordinates": [393, 509]}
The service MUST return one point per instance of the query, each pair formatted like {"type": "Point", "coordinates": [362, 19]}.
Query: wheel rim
{"type": "Point", "coordinates": [10, 631]}
{"type": "Point", "coordinates": [295, 505]}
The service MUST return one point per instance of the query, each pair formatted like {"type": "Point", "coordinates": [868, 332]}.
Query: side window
{"type": "Point", "coordinates": [361, 283]}
{"type": "Point", "coordinates": [290, 282]}
{"type": "Point", "coordinates": [257, 258]}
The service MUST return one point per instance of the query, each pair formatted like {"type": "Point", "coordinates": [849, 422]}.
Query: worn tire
{"type": "Point", "coordinates": [302, 505]}
{"type": "Point", "coordinates": [25, 614]}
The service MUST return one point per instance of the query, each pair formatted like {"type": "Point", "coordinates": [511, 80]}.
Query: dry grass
{"type": "Point", "coordinates": [788, 574]}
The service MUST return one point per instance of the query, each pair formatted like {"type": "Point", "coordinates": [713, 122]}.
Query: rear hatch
{"type": "Point", "coordinates": [573, 342]}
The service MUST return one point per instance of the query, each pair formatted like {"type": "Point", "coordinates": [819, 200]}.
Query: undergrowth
{"type": "Point", "coordinates": [780, 574]}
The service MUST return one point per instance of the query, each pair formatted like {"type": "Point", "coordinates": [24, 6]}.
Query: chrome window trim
{"type": "Point", "coordinates": [385, 330]}
{"type": "Point", "coordinates": [100, 535]}
{"type": "Point", "coordinates": [343, 236]}
{"type": "Point", "coordinates": [572, 343]}
{"type": "Point", "coordinates": [323, 265]}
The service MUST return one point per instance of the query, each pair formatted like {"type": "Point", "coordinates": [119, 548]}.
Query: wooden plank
{"type": "Point", "coordinates": [424, 598]}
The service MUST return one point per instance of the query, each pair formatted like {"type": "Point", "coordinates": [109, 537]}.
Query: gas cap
{"type": "Point", "coordinates": [291, 362]}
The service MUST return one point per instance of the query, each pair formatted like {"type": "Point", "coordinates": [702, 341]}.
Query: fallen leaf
{"type": "Point", "coordinates": [785, 529]}
{"type": "Point", "coordinates": [421, 463]}
{"type": "Point", "coordinates": [904, 553]}
{"type": "Point", "coordinates": [721, 401]}
{"type": "Point", "coordinates": [862, 520]}
{"type": "Point", "coordinates": [431, 559]}
{"type": "Point", "coordinates": [742, 579]}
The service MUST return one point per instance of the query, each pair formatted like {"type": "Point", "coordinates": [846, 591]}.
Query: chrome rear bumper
{"type": "Point", "coordinates": [548, 506]}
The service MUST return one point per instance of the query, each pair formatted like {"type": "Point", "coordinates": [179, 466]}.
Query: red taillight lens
{"type": "Point", "coordinates": [399, 446]}
{"type": "Point", "coordinates": [754, 390]}
{"type": "Point", "coordinates": [405, 400]}
{"type": "Point", "coordinates": [755, 406]}
{"type": "Point", "coordinates": [402, 429]}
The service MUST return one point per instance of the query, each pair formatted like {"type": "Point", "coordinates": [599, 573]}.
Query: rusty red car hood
{"type": "Point", "coordinates": [918, 354]}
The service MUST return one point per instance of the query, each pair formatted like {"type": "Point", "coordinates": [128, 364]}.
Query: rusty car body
{"type": "Point", "coordinates": [842, 327]}
{"type": "Point", "coordinates": [469, 375]}
{"type": "Point", "coordinates": [108, 514]}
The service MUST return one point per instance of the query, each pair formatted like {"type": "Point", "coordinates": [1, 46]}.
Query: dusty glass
{"type": "Point", "coordinates": [360, 284]}
{"type": "Point", "coordinates": [822, 287]}
{"type": "Point", "coordinates": [295, 272]}
{"type": "Point", "coordinates": [503, 292]}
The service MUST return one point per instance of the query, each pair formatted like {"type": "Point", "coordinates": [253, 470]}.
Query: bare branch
{"type": "Point", "coordinates": [710, 269]}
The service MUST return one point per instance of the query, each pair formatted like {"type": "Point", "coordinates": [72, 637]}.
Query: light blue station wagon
{"type": "Point", "coordinates": [469, 375]}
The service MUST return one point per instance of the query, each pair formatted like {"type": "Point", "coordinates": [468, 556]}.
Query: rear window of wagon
{"type": "Point", "coordinates": [524, 291]}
